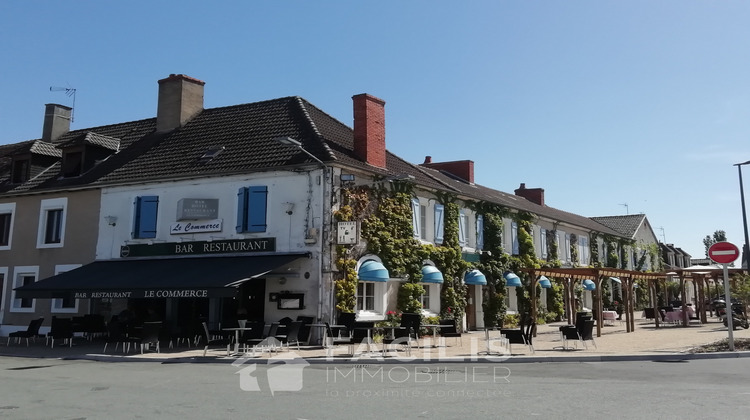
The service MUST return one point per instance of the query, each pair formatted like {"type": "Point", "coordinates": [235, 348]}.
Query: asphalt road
{"type": "Point", "coordinates": [78, 389]}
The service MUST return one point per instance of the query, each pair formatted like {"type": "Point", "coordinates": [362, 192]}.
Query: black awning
{"type": "Point", "coordinates": [156, 278]}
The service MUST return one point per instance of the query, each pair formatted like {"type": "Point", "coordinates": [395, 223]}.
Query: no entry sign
{"type": "Point", "coordinates": [723, 252]}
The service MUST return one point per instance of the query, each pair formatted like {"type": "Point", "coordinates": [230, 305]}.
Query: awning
{"type": "Point", "coordinates": [545, 282]}
{"type": "Point", "coordinates": [616, 279]}
{"type": "Point", "coordinates": [430, 274]}
{"type": "Point", "coordinates": [157, 278]}
{"type": "Point", "coordinates": [372, 270]}
{"type": "Point", "coordinates": [475, 277]}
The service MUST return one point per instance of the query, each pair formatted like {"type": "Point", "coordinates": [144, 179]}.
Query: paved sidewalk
{"type": "Point", "coordinates": [646, 343]}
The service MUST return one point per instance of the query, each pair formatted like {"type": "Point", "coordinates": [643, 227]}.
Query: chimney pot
{"type": "Point", "coordinates": [428, 159]}
{"type": "Point", "coordinates": [535, 195]}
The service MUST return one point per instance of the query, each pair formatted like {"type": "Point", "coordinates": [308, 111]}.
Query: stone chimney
{"type": "Point", "coordinates": [535, 195]}
{"type": "Point", "coordinates": [56, 121]}
{"type": "Point", "coordinates": [369, 129]}
{"type": "Point", "coordinates": [180, 99]}
{"type": "Point", "coordinates": [463, 169]}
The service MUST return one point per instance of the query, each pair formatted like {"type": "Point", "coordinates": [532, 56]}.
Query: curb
{"type": "Point", "coordinates": [670, 357]}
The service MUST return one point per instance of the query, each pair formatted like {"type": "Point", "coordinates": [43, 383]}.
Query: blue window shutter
{"type": "Point", "coordinates": [480, 231]}
{"type": "Point", "coordinates": [514, 237]}
{"type": "Point", "coordinates": [241, 210]}
{"type": "Point", "coordinates": [415, 217]}
{"type": "Point", "coordinates": [146, 209]}
{"type": "Point", "coordinates": [439, 223]}
{"type": "Point", "coordinates": [257, 202]}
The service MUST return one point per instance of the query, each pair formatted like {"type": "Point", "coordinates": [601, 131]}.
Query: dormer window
{"type": "Point", "coordinates": [21, 170]}
{"type": "Point", "coordinates": [211, 154]}
{"type": "Point", "coordinates": [72, 164]}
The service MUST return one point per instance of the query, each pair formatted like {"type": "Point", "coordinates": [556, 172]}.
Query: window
{"type": "Point", "coordinates": [252, 209]}
{"type": "Point", "coordinates": [6, 224]}
{"type": "Point", "coordinates": [439, 210]}
{"type": "Point", "coordinates": [52, 223]}
{"type": "Point", "coordinates": [23, 276]}
{"type": "Point", "coordinates": [583, 250]}
{"type": "Point", "coordinates": [543, 243]}
{"type": "Point", "coordinates": [480, 232]}
{"type": "Point", "coordinates": [146, 209]}
{"type": "Point", "coordinates": [68, 304]}
{"type": "Point", "coordinates": [72, 164]}
{"type": "Point", "coordinates": [21, 171]}
{"type": "Point", "coordinates": [365, 296]}
{"type": "Point", "coordinates": [3, 276]}
{"type": "Point", "coordinates": [463, 227]}
{"type": "Point", "coordinates": [514, 237]}
{"type": "Point", "coordinates": [415, 218]}
{"type": "Point", "coordinates": [425, 298]}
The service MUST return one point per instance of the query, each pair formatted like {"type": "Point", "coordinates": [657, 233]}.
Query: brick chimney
{"type": "Point", "coordinates": [463, 169]}
{"type": "Point", "coordinates": [535, 195]}
{"type": "Point", "coordinates": [369, 129]}
{"type": "Point", "coordinates": [180, 99]}
{"type": "Point", "coordinates": [56, 121]}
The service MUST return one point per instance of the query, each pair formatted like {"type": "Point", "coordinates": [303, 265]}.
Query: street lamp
{"type": "Point", "coordinates": [288, 141]}
{"type": "Point", "coordinates": [746, 247]}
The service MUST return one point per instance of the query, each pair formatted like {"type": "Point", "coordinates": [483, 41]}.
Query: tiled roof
{"type": "Point", "coordinates": [247, 132]}
{"type": "Point", "coordinates": [626, 225]}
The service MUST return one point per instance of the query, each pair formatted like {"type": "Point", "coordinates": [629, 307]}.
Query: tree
{"type": "Point", "coordinates": [719, 236]}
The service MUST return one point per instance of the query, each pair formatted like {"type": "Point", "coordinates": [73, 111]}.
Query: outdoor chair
{"type": "Point", "coordinates": [330, 340]}
{"type": "Point", "coordinates": [210, 340]}
{"type": "Point", "coordinates": [32, 332]}
{"type": "Point", "coordinates": [586, 332]}
{"type": "Point", "coordinates": [451, 331]}
{"type": "Point", "coordinates": [398, 335]}
{"type": "Point", "coordinates": [347, 319]}
{"type": "Point", "coordinates": [267, 340]}
{"type": "Point", "coordinates": [60, 329]}
{"type": "Point", "coordinates": [115, 334]}
{"type": "Point", "coordinates": [521, 335]}
{"type": "Point", "coordinates": [414, 323]}
{"type": "Point", "coordinates": [149, 335]}
{"type": "Point", "coordinates": [304, 331]}
{"type": "Point", "coordinates": [292, 335]}
{"type": "Point", "coordinates": [569, 332]}
{"type": "Point", "coordinates": [361, 333]}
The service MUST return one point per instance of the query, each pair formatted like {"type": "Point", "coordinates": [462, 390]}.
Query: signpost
{"type": "Point", "coordinates": [725, 253]}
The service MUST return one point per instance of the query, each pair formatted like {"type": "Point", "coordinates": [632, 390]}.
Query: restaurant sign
{"type": "Point", "coordinates": [202, 226]}
{"type": "Point", "coordinates": [155, 293]}
{"type": "Point", "coordinates": [232, 246]}
{"type": "Point", "coordinates": [197, 208]}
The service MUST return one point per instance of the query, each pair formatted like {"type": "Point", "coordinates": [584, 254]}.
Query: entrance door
{"type": "Point", "coordinates": [471, 308]}
{"type": "Point", "coordinates": [253, 300]}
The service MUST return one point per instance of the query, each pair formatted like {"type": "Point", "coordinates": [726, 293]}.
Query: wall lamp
{"type": "Point", "coordinates": [111, 220]}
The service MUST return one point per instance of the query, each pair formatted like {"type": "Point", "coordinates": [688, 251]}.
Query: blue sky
{"type": "Point", "coordinates": [601, 103]}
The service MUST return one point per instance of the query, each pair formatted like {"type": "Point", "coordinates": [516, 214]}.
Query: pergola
{"type": "Point", "coordinates": [597, 275]}
{"type": "Point", "coordinates": [700, 275]}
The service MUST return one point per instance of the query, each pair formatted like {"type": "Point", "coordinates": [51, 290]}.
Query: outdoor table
{"type": "Point", "coordinates": [237, 335]}
{"type": "Point", "coordinates": [434, 331]}
{"type": "Point", "coordinates": [673, 317]}
{"type": "Point", "coordinates": [322, 326]}
{"type": "Point", "coordinates": [609, 317]}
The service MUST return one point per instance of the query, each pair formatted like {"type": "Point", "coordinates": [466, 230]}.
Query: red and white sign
{"type": "Point", "coordinates": [723, 252]}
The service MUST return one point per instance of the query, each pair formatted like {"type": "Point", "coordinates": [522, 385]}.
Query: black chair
{"type": "Point", "coordinates": [567, 333]}
{"type": "Point", "coordinates": [521, 335]}
{"type": "Point", "coordinates": [331, 339]}
{"type": "Point", "coordinates": [586, 332]}
{"type": "Point", "coordinates": [413, 322]}
{"type": "Point", "coordinates": [451, 330]}
{"type": "Point", "coordinates": [61, 329]}
{"type": "Point", "coordinates": [213, 340]}
{"type": "Point", "coordinates": [94, 326]}
{"type": "Point", "coordinates": [292, 335]}
{"type": "Point", "coordinates": [267, 340]}
{"type": "Point", "coordinates": [32, 332]}
{"type": "Point", "coordinates": [361, 333]}
{"type": "Point", "coordinates": [304, 331]}
{"type": "Point", "coordinates": [398, 335]}
{"type": "Point", "coordinates": [347, 319]}
{"type": "Point", "coordinates": [149, 335]}
{"type": "Point", "coordinates": [115, 334]}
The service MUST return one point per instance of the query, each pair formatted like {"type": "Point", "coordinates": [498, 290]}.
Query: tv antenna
{"type": "Point", "coordinates": [70, 93]}
{"type": "Point", "coordinates": [626, 207]}
{"type": "Point", "coordinates": [663, 238]}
